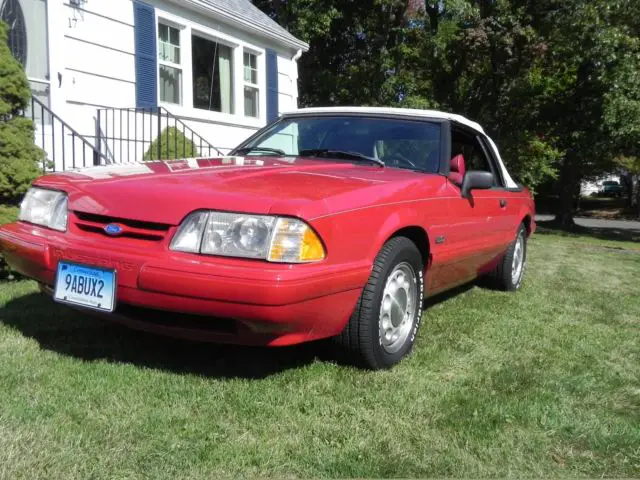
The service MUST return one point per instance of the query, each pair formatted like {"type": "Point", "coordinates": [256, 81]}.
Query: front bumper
{"type": "Point", "coordinates": [269, 304]}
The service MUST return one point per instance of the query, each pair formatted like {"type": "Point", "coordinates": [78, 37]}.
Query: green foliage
{"type": "Point", "coordinates": [14, 86]}
{"type": "Point", "coordinates": [631, 164]}
{"type": "Point", "coordinates": [173, 145]}
{"type": "Point", "coordinates": [7, 215]}
{"type": "Point", "coordinates": [19, 157]}
{"type": "Point", "coordinates": [622, 102]}
{"type": "Point", "coordinates": [532, 159]}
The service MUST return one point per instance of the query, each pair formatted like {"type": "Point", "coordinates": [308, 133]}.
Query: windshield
{"type": "Point", "coordinates": [410, 144]}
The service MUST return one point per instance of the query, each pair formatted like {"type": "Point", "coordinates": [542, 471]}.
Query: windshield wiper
{"type": "Point", "coordinates": [327, 153]}
{"type": "Point", "coordinates": [244, 150]}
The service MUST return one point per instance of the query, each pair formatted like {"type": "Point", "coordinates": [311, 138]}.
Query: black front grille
{"type": "Point", "coordinates": [90, 222]}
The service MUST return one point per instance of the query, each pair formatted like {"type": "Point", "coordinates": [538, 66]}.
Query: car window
{"type": "Point", "coordinates": [424, 153]}
{"type": "Point", "coordinates": [285, 139]}
{"type": "Point", "coordinates": [475, 157]}
{"type": "Point", "coordinates": [410, 144]}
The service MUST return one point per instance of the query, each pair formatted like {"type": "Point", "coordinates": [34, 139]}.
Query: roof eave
{"type": "Point", "coordinates": [234, 20]}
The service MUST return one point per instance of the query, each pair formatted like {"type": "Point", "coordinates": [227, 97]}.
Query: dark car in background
{"type": "Point", "coordinates": [612, 188]}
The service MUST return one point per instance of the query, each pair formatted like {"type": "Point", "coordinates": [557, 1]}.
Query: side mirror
{"type": "Point", "coordinates": [475, 179]}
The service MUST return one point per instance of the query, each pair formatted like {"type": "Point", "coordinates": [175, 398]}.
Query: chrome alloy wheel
{"type": "Point", "coordinates": [398, 307]}
{"type": "Point", "coordinates": [518, 260]}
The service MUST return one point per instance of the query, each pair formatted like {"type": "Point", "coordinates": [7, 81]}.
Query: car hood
{"type": "Point", "coordinates": [166, 191]}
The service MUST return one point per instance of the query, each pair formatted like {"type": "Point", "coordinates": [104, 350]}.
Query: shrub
{"type": "Point", "coordinates": [173, 145]}
{"type": "Point", "coordinates": [7, 215]}
{"type": "Point", "coordinates": [19, 156]}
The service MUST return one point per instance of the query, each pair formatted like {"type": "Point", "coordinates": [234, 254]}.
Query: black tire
{"type": "Point", "coordinates": [361, 341]}
{"type": "Point", "coordinates": [503, 276]}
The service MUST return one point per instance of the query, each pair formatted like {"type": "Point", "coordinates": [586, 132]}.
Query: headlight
{"type": "Point", "coordinates": [45, 207]}
{"type": "Point", "coordinates": [277, 239]}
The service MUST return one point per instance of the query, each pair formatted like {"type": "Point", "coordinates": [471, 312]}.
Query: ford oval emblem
{"type": "Point", "coordinates": [113, 229]}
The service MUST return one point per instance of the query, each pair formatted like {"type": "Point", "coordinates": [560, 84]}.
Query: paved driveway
{"type": "Point", "coordinates": [598, 223]}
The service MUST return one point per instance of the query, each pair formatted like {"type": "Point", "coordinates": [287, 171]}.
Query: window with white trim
{"type": "Point", "coordinates": [212, 75]}
{"type": "Point", "coordinates": [169, 66]}
{"type": "Point", "coordinates": [251, 88]}
{"type": "Point", "coordinates": [199, 69]}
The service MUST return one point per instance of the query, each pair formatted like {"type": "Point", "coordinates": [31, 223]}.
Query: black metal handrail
{"type": "Point", "coordinates": [66, 130]}
{"type": "Point", "coordinates": [125, 135]}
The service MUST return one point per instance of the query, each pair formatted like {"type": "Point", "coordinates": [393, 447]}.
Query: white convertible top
{"type": "Point", "coordinates": [404, 112]}
{"type": "Point", "coordinates": [411, 112]}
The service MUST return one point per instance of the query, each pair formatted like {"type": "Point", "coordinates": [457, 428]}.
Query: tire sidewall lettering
{"type": "Point", "coordinates": [420, 300]}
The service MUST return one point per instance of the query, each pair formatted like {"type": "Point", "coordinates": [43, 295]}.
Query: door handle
{"type": "Point", "coordinates": [503, 203]}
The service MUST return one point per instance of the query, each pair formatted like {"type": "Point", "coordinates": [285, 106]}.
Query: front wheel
{"type": "Point", "coordinates": [509, 273]}
{"type": "Point", "coordinates": [383, 326]}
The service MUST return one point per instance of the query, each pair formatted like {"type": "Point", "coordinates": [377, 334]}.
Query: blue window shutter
{"type": "Point", "coordinates": [144, 19]}
{"type": "Point", "coordinates": [272, 85]}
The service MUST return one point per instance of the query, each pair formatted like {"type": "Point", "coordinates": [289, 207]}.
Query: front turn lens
{"type": "Point", "coordinates": [294, 241]}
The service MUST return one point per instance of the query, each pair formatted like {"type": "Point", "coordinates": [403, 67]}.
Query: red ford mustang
{"type": "Point", "coordinates": [329, 222]}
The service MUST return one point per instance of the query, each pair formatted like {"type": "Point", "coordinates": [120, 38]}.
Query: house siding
{"type": "Point", "coordinates": [100, 50]}
{"type": "Point", "coordinates": [93, 64]}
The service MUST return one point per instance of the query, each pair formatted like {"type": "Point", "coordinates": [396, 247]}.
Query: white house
{"type": "Point", "coordinates": [115, 73]}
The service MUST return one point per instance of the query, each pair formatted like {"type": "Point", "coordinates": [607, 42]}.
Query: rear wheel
{"type": "Point", "coordinates": [509, 273]}
{"type": "Point", "coordinates": [383, 326]}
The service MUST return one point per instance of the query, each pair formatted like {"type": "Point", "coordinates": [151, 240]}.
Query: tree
{"type": "Point", "coordinates": [554, 82]}
{"type": "Point", "coordinates": [592, 45]}
{"type": "Point", "coordinates": [486, 63]}
{"type": "Point", "coordinates": [454, 55]}
{"type": "Point", "coordinates": [19, 157]}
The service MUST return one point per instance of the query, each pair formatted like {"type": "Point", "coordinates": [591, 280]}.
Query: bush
{"type": "Point", "coordinates": [19, 156]}
{"type": "Point", "coordinates": [173, 145]}
{"type": "Point", "coordinates": [7, 215]}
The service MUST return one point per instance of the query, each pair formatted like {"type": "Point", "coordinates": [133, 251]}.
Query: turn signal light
{"type": "Point", "coordinates": [294, 241]}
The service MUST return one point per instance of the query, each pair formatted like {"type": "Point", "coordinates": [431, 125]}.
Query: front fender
{"type": "Point", "coordinates": [358, 235]}
{"type": "Point", "coordinates": [393, 222]}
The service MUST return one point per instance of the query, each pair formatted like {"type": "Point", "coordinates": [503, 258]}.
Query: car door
{"type": "Point", "coordinates": [509, 200]}
{"type": "Point", "coordinates": [477, 229]}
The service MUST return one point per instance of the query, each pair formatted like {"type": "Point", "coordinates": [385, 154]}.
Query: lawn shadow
{"type": "Point", "coordinates": [602, 233]}
{"type": "Point", "coordinates": [442, 297]}
{"type": "Point", "coordinates": [68, 332]}
{"type": "Point", "coordinates": [72, 333]}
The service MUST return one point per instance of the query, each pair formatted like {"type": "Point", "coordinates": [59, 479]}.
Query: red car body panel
{"type": "Point", "coordinates": [354, 208]}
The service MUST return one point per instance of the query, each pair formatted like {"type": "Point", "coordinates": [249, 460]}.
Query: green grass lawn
{"type": "Point", "coordinates": [538, 383]}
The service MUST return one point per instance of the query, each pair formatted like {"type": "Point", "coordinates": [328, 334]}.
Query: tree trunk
{"type": "Point", "coordinates": [486, 7]}
{"type": "Point", "coordinates": [629, 181]}
{"type": "Point", "coordinates": [433, 13]}
{"type": "Point", "coordinates": [636, 186]}
{"type": "Point", "coordinates": [568, 184]}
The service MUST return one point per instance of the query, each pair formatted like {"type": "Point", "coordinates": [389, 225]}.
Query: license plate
{"type": "Point", "coordinates": [86, 286]}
